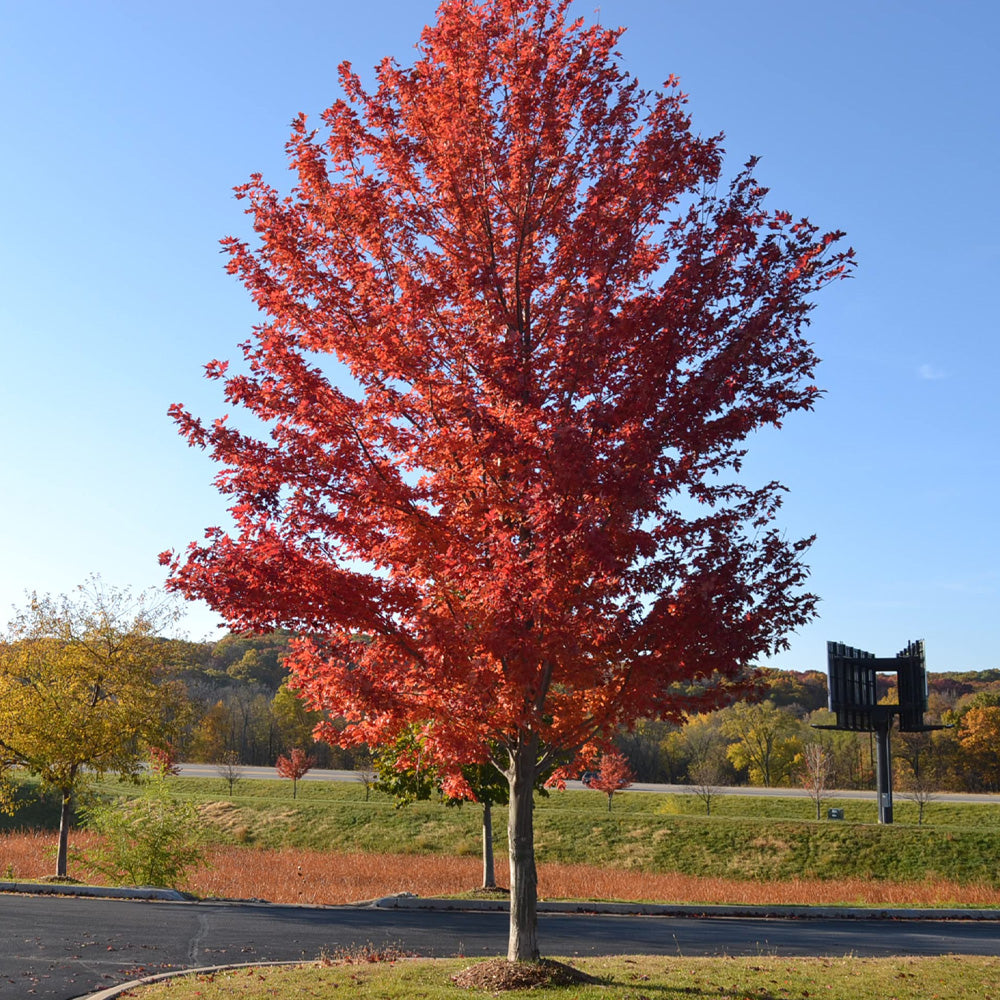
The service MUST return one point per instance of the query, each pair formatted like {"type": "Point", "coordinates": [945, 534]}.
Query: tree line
{"type": "Point", "coordinates": [767, 742]}
{"type": "Point", "coordinates": [242, 704]}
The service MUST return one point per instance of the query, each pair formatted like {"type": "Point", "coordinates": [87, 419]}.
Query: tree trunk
{"type": "Point", "coordinates": [63, 851]}
{"type": "Point", "coordinates": [522, 945]}
{"type": "Point", "coordinates": [489, 871]}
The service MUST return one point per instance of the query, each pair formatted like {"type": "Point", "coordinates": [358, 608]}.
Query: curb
{"type": "Point", "coordinates": [406, 902]}
{"type": "Point", "coordinates": [113, 892]}
{"type": "Point", "coordinates": [116, 991]}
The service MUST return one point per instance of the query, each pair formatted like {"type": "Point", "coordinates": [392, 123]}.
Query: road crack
{"type": "Point", "coordinates": [196, 942]}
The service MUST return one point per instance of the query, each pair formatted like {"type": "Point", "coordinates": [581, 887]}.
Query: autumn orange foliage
{"type": "Point", "coordinates": [979, 736]}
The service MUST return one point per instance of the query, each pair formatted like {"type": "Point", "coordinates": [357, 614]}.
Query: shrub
{"type": "Point", "coordinates": [150, 840]}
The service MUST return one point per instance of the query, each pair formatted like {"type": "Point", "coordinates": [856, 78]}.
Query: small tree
{"type": "Point", "coordinates": [921, 791]}
{"type": "Point", "coordinates": [766, 741]}
{"type": "Point", "coordinates": [401, 775]}
{"type": "Point", "coordinates": [701, 746]}
{"type": "Point", "coordinates": [708, 776]}
{"type": "Point", "coordinates": [230, 769]}
{"type": "Point", "coordinates": [613, 775]}
{"type": "Point", "coordinates": [84, 687]}
{"type": "Point", "coordinates": [297, 764]}
{"type": "Point", "coordinates": [919, 785]}
{"type": "Point", "coordinates": [150, 840]}
{"type": "Point", "coordinates": [369, 778]}
{"type": "Point", "coordinates": [163, 761]}
{"type": "Point", "coordinates": [815, 765]}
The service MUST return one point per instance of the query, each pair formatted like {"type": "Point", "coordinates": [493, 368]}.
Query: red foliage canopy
{"type": "Point", "coordinates": [613, 775]}
{"type": "Point", "coordinates": [163, 761]}
{"type": "Point", "coordinates": [296, 765]}
{"type": "Point", "coordinates": [515, 336]}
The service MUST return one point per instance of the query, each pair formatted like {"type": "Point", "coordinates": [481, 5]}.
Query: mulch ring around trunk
{"type": "Point", "coordinates": [498, 974]}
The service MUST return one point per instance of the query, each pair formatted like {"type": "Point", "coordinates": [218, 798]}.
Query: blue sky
{"type": "Point", "coordinates": [126, 125]}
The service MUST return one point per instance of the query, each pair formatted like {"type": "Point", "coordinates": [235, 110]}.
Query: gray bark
{"type": "Point", "coordinates": [489, 871]}
{"type": "Point", "coordinates": [522, 944]}
{"type": "Point", "coordinates": [67, 798]}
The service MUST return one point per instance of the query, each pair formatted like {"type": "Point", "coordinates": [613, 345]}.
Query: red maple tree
{"type": "Point", "coordinates": [163, 761]}
{"type": "Point", "coordinates": [514, 337]}
{"type": "Point", "coordinates": [612, 776]}
{"type": "Point", "coordinates": [295, 766]}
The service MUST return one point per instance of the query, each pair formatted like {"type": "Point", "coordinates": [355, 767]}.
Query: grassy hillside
{"type": "Point", "coordinates": [763, 838]}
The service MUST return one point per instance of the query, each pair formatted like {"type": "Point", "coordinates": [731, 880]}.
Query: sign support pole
{"type": "Point", "coordinates": [883, 766]}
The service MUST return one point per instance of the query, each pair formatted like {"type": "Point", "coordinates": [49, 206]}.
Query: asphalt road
{"type": "Point", "coordinates": [60, 948]}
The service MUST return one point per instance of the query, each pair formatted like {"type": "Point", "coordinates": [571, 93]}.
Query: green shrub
{"type": "Point", "coordinates": [151, 840]}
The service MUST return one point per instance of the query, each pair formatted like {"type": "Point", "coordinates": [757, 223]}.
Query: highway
{"type": "Point", "coordinates": [212, 771]}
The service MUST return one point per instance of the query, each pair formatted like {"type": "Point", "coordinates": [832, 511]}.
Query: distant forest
{"type": "Point", "coordinates": [240, 707]}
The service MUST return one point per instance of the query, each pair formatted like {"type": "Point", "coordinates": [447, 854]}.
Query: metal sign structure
{"type": "Point", "coordinates": [854, 700]}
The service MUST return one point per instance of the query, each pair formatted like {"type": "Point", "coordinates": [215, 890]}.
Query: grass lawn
{"type": "Point", "coordinates": [617, 978]}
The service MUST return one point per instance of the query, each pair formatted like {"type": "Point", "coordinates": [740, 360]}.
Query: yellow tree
{"type": "Point", "coordinates": [765, 741]}
{"type": "Point", "coordinates": [294, 721]}
{"type": "Point", "coordinates": [210, 735]}
{"type": "Point", "coordinates": [84, 689]}
{"type": "Point", "coordinates": [979, 736]}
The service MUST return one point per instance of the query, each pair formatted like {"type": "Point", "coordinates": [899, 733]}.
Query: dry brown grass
{"type": "Point", "coordinates": [32, 854]}
{"type": "Point", "coordinates": [298, 876]}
